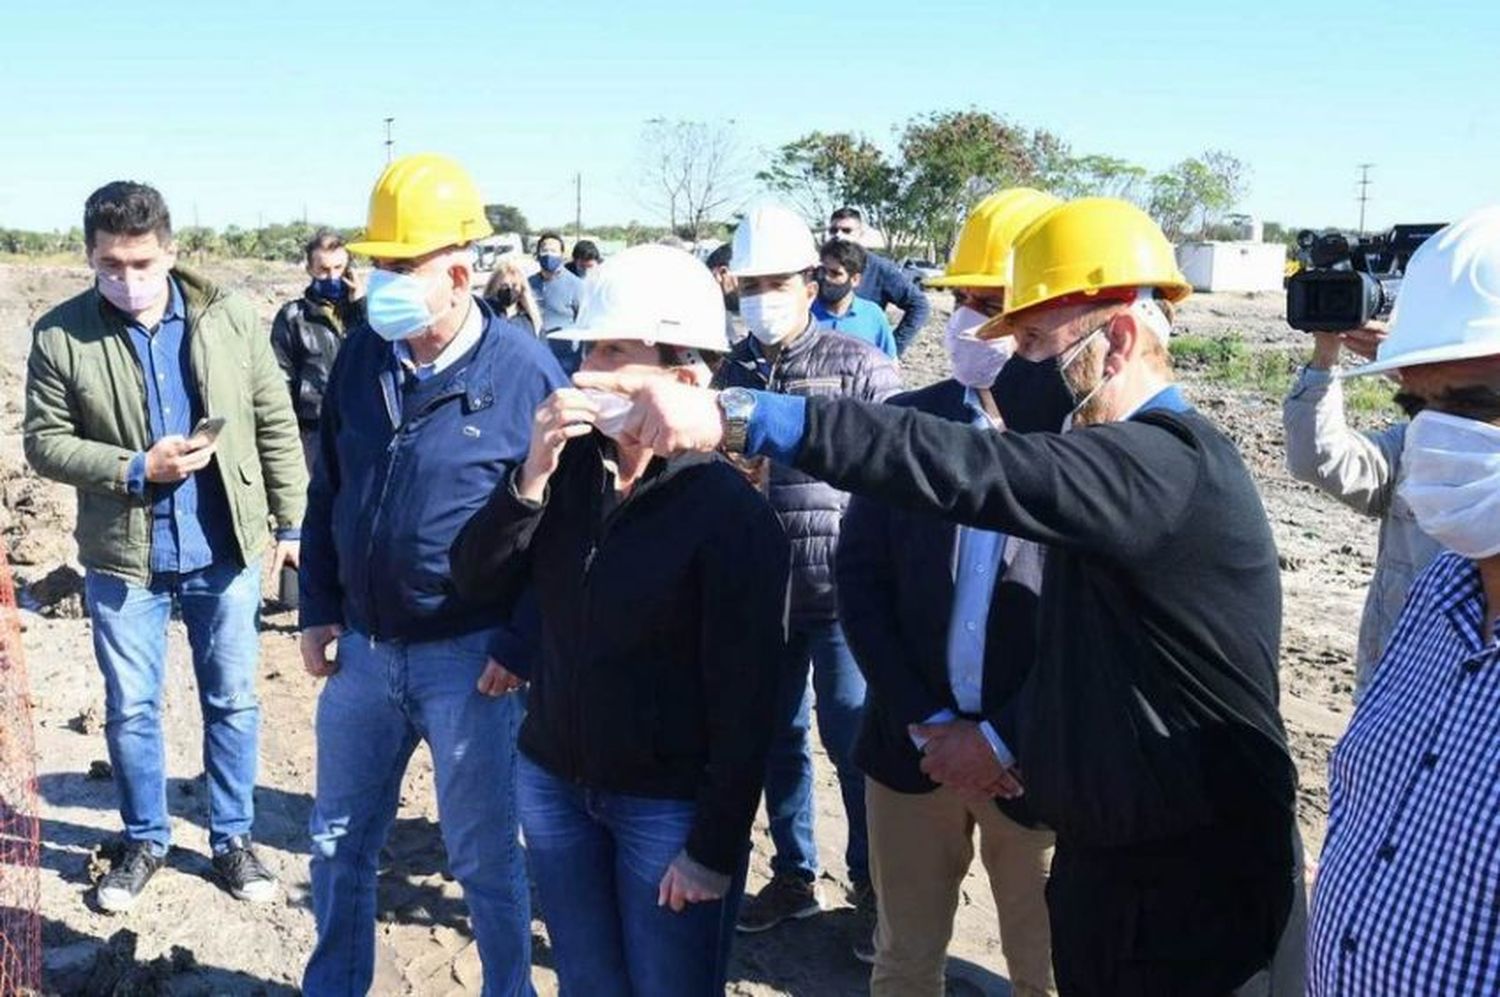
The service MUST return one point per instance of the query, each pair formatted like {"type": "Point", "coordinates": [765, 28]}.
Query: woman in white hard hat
{"type": "Point", "coordinates": [662, 591]}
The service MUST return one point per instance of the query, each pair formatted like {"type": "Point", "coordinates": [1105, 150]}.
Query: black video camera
{"type": "Point", "coordinates": [1344, 286]}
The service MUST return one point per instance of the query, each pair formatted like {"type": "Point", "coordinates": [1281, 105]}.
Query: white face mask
{"type": "Point", "coordinates": [975, 361]}
{"type": "Point", "coordinates": [613, 411]}
{"type": "Point", "coordinates": [1451, 469]}
{"type": "Point", "coordinates": [774, 316]}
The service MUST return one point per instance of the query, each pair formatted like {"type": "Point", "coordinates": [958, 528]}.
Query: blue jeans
{"type": "Point", "coordinates": [598, 859]}
{"type": "Point", "coordinates": [383, 699]}
{"type": "Point", "coordinates": [840, 690]}
{"type": "Point", "coordinates": [221, 608]}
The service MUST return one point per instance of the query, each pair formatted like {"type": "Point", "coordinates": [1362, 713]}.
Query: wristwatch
{"type": "Point", "coordinates": [737, 405]}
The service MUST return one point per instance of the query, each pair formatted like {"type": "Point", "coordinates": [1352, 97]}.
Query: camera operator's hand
{"type": "Point", "coordinates": [1361, 342]}
{"type": "Point", "coordinates": [1364, 342]}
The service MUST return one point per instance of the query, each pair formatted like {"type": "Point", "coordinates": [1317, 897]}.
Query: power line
{"type": "Point", "coordinates": [1364, 194]}
{"type": "Point", "coordinates": [388, 141]}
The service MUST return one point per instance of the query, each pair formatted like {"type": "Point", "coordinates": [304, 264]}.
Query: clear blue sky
{"type": "Point", "coordinates": [246, 111]}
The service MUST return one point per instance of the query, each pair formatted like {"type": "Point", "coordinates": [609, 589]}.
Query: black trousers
{"type": "Point", "coordinates": [1187, 918]}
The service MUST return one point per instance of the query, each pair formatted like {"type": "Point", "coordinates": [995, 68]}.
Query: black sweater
{"type": "Point", "coordinates": [663, 620]}
{"type": "Point", "coordinates": [1152, 709]}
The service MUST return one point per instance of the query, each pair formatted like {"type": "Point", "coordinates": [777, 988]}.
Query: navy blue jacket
{"type": "Point", "coordinates": [895, 593]}
{"type": "Point", "coordinates": [391, 492]}
{"type": "Point", "coordinates": [885, 284]}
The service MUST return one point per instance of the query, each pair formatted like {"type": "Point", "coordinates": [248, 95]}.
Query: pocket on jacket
{"type": "Point", "coordinates": [250, 470]}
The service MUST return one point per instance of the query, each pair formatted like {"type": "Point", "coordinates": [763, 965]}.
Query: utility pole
{"type": "Point", "coordinates": [388, 141]}
{"type": "Point", "coordinates": [577, 206]}
{"type": "Point", "coordinates": [1364, 194]}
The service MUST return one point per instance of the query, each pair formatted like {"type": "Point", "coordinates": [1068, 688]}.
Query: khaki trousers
{"type": "Point", "coordinates": [921, 845]}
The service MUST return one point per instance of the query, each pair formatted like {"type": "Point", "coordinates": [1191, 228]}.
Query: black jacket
{"type": "Point", "coordinates": [896, 585]}
{"type": "Point", "coordinates": [819, 363]}
{"type": "Point", "coordinates": [306, 335]}
{"type": "Point", "coordinates": [663, 620]}
{"type": "Point", "coordinates": [1152, 708]}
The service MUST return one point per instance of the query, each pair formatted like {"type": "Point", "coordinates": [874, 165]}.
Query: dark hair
{"type": "Point", "coordinates": [846, 253]}
{"type": "Point", "coordinates": [124, 207]}
{"type": "Point", "coordinates": [584, 249]}
{"type": "Point", "coordinates": [551, 235]}
{"type": "Point", "coordinates": [323, 239]}
{"type": "Point", "coordinates": [720, 257]}
{"type": "Point", "coordinates": [1479, 402]}
{"type": "Point", "coordinates": [847, 212]}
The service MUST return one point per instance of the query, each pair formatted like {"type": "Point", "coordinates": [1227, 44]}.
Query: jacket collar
{"type": "Point", "coordinates": [750, 354]}
{"type": "Point", "coordinates": [478, 381]}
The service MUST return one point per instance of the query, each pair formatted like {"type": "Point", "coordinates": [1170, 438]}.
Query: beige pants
{"type": "Point", "coordinates": [921, 846]}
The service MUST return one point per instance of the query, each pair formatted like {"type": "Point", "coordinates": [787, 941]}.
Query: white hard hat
{"type": "Point", "coordinates": [772, 239]}
{"type": "Point", "coordinates": [654, 294]}
{"type": "Point", "coordinates": [1448, 307]}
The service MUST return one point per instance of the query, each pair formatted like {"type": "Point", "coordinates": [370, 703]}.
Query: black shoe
{"type": "Point", "coordinates": [242, 873]}
{"type": "Point", "coordinates": [862, 896]}
{"type": "Point", "coordinates": [783, 898]}
{"type": "Point", "coordinates": [117, 891]}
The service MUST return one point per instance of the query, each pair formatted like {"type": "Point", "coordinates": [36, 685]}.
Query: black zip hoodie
{"type": "Point", "coordinates": [663, 620]}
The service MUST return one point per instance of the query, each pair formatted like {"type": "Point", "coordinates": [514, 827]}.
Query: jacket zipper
{"type": "Point", "coordinates": [578, 753]}
{"type": "Point", "coordinates": [393, 452]}
{"type": "Point", "coordinates": [600, 526]}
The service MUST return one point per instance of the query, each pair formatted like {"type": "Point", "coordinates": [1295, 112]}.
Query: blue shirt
{"type": "Point", "coordinates": [864, 320]}
{"type": "Point", "coordinates": [190, 523]}
{"type": "Point", "coordinates": [1406, 900]}
{"type": "Point", "coordinates": [558, 300]}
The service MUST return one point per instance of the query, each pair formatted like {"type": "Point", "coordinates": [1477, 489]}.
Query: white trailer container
{"type": "Point", "coordinates": [1233, 266]}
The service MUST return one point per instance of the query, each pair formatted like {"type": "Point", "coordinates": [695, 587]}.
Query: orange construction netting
{"type": "Point", "coordinates": [20, 888]}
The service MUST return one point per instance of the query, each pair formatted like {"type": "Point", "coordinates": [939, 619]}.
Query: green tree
{"type": "Point", "coordinates": [822, 171]}
{"type": "Point", "coordinates": [199, 242]}
{"type": "Point", "coordinates": [506, 218]}
{"type": "Point", "coordinates": [1103, 176]}
{"type": "Point", "coordinates": [1193, 194]}
{"type": "Point", "coordinates": [953, 159]}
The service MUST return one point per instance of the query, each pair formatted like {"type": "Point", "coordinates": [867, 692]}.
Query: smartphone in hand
{"type": "Point", "coordinates": [206, 432]}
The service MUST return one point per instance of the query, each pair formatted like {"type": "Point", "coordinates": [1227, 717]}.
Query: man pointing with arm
{"type": "Point", "coordinates": [1147, 730]}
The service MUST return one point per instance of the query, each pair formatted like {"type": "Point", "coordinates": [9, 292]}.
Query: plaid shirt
{"type": "Point", "coordinates": [1408, 893]}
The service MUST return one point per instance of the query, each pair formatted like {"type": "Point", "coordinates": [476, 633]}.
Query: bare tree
{"type": "Point", "coordinates": [689, 172]}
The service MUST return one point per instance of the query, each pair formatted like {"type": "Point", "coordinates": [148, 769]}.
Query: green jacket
{"type": "Point", "coordinates": [86, 419]}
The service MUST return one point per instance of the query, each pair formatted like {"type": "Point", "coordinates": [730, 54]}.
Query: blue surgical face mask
{"type": "Point", "coordinates": [396, 305]}
{"type": "Point", "coordinates": [551, 262]}
{"type": "Point", "coordinates": [330, 288]}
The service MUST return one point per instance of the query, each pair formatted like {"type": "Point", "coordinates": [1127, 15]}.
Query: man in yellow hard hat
{"type": "Point", "coordinates": [922, 600]}
{"type": "Point", "coordinates": [427, 411]}
{"type": "Point", "coordinates": [1146, 730]}
{"type": "Point", "coordinates": [978, 274]}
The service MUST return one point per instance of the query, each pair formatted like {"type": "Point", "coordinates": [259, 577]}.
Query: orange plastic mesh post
{"type": "Point", "coordinates": [20, 887]}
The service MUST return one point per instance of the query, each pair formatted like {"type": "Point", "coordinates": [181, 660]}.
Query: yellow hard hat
{"type": "Point", "coordinates": [422, 203]}
{"type": "Point", "coordinates": [1092, 248]}
{"type": "Point", "coordinates": [982, 257]}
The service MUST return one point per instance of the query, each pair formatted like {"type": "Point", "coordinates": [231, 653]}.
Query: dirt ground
{"type": "Point", "coordinates": [188, 937]}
